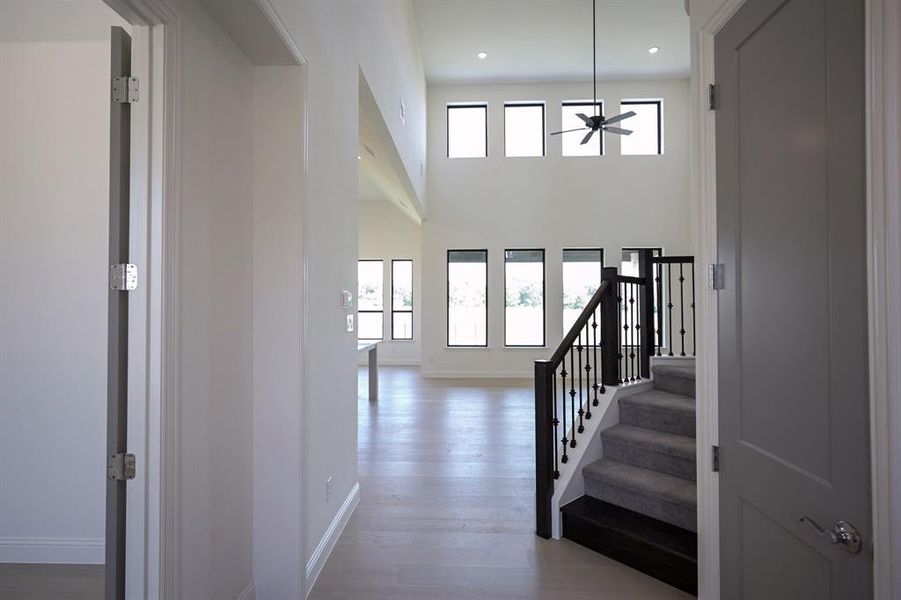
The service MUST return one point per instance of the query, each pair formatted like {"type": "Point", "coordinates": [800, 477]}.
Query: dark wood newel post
{"type": "Point", "coordinates": [646, 304]}
{"type": "Point", "coordinates": [609, 330]}
{"type": "Point", "coordinates": [544, 446]}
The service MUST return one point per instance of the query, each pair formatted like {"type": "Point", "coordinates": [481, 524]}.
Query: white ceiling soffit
{"type": "Point", "coordinates": [379, 179]}
{"type": "Point", "coordinates": [550, 40]}
{"type": "Point", "coordinates": [249, 27]}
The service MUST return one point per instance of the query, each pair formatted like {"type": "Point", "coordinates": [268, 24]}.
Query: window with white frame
{"type": "Point", "coordinates": [467, 130]}
{"type": "Point", "coordinates": [646, 127]}
{"type": "Point", "coordinates": [370, 299]}
{"type": "Point", "coordinates": [467, 297]}
{"type": "Point", "coordinates": [524, 129]}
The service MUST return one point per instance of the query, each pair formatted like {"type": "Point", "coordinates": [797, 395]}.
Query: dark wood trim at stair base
{"type": "Point", "coordinates": [658, 549]}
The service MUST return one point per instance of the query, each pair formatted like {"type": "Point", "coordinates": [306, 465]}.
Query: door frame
{"type": "Point", "coordinates": [153, 558]}
{"type": "Point", "coordinates": [883, 113]}
{"type": "Point", "coordinates": [152, 326]}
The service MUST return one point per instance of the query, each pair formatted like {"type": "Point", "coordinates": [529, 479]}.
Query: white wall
{"type": "Point", "coordinates": [277, 273]}
{"type": "Point", "coordinates": [386, 233]}
{"type": "Point", "coordinates": [552, 202]}
{"type": "Point", "coordinates": [213, 478]}
{"type": "Point", "coordinates": [338, 40]}
{"type": "Point", "coordinates": [54, 191]}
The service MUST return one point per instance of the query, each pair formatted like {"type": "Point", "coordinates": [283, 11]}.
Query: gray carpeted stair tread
{"type": "Point", "coordinates": [654, 485]}
{"type": "Point", "coordinates": [680, 446]}
{"type": "Point", "coordinates": [661, 451]}
{"type": "Point", "coordinates": [674, 371]}
{"type": "Point", "coordinates": [662, 401]}
{"type": "Point", "coordinates": [660, 411]}
{"type": "Point", "coordinates": [674, 379]}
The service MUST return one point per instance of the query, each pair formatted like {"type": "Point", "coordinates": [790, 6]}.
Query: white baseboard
{"type": "Point", "coordinates": [518, 374]}
{"type": "Point", "coordinates": [330, 538]}
{"type": "Point", "coordinates": [392, 362]}
{"type": "Point", "coordinates": [73, 551]}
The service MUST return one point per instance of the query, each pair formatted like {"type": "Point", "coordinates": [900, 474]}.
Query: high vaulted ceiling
{"type": "Point", "coordinates": [550, 40]}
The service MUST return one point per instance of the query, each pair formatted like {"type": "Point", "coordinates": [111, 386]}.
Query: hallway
{"type": "Point", "coordinates": [447, 483]}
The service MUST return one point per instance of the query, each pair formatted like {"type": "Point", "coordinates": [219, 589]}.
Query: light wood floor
{"type": "Point", "coordinates": [51, 582]}
{"type": "Point", "coordinates": [447, 478]}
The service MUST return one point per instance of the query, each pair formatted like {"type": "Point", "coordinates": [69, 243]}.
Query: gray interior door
{"type": "Point", "coordinates": [117, 348]}
{"type": "Point", "coordinates": [794, 433]}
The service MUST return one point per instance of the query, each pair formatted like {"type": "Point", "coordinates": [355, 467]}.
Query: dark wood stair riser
{"type": "Point", "coordinates": [624, 536]}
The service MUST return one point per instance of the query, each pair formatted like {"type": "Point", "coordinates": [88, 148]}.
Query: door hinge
{"type": "Point", "coordinates": [715, 276]}
{"type": "Point", "coordinates": [123, 277]}
{"type": "Point", "coordinates": [711, 96]}
{"type": "Point", "coordinates": [121, 467]}
{"type": "Point", "coordinates": [715, 459]}
{"type": "Point", "coordinates": [125, 90]}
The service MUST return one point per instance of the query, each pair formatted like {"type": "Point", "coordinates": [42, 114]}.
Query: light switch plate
{"type": "Point", "coordinates": [347, 299]}
{"type": "Point", "coordinates": [349, 327]}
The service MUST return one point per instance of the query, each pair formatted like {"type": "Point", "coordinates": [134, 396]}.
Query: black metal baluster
{"type": "Point", "coordinates": [600, 365]}
{"type": "Point", "coordinates": [658, 305]}
{"type": "Point", "coordinates": [619, 336]}
{"type": "Point", "coordinates": [587, 372]}
{"type": "Point", "coordinates": [669, 305]}
{"type": "Point", "coordinates": [556, 423]}
{"type": "Point", "coordinates": [581, 409]}
{"type": "Point", "coordinates": [565, 458]}
{"type": "Point", "coordinates": [572, 396]}
{"type": "Point", "coordinates": [682, 307]}
{"type": "Point", "coordinates": [632, 331]}
{"type": "Point", "coordinates": [594, 345]}
{"type": "Point", "coordinates": [694, 335]}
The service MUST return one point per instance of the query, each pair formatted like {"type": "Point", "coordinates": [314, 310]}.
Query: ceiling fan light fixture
{"type": "Point", "coordinates": [598, 122]}
{"type": "Point", "coordinates": [653, 49]}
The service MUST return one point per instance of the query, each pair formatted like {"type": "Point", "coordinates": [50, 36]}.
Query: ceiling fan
{"type": "Point", "coordinates": [597, 122]}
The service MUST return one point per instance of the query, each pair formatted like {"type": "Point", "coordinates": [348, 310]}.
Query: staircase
{"type": "Point", "coordinates": [640, 499]}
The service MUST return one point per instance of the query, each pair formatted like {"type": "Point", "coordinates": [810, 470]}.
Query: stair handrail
{"type": "Point", "coordinates": [576, 330]}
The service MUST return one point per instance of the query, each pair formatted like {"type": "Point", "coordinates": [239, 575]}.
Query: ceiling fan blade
{"type": "Point", "coordinates": [568, 130]}
{"type": "Point", "coordinates": [587, 120]}
{"type": "Point", "coordinates": [587, 137]}
{"type": "Point", "coordinates": [619, 131]}
{"type": "Point", "coordinates": [619, 118]}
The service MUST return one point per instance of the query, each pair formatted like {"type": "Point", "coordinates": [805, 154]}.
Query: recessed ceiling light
{"type": "Point", "coordinates": [482, 55]}
{"type": "Point", "coordinates": [359, 157]}
{"type": "Point", "coordinates": [654, 49]}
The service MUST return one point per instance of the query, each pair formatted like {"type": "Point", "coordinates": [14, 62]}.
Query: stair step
{"type": "Point", "coordinates": [659, 549]}
{"type": "Point", "coordinates": [660, 411]}
{"type": "Point", "coordinates": [659, 495]}
{"type": "Point", "coordinates": [676, 380]}
{"type": "Point", "coordinates": [656, 450]}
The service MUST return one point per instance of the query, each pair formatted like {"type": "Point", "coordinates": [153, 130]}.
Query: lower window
{"type": "Point", "coordinates": [401, 299]}
{"type": "Point", "coordinates": [467, 297]}
{"type": "Point", "coordinates": [524, 298]}
{"type": "Point", "coordinates": [581, 279]}
{"type": "Point", "coordinates": [370, 300]}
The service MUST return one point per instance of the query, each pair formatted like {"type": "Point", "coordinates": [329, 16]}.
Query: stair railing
{"type": "Point", "coordinates": [603, 347]}
{"type": "Point", "coordinates": [673, 307]}
{"type": "Point", "coordinates": [627, 321]}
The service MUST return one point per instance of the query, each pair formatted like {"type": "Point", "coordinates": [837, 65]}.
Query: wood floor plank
{"type": "Point", "coordinates": [51, 582]}
{"type": "Point", "coordinates": [447, 504]}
